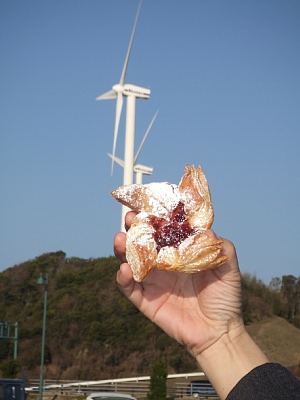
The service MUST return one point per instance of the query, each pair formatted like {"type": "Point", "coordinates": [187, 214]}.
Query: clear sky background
{"type": "Point", "coordinates": [225, 77]}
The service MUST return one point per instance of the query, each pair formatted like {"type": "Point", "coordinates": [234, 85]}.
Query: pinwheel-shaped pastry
{"type": "Point", "coordinates": [169, 231]}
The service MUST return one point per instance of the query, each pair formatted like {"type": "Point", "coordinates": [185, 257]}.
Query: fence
{"type": "Point", "coordinates": [136, 387]}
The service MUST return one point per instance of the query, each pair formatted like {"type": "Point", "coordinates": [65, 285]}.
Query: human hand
{"type": "Point", "coordinates": [194, 309]}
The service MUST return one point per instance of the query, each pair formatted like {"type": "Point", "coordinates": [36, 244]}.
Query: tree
{"type": "Point", "coordinates": [290, 292]}
{"type": "Point", "coordinates": [277, 298]}
{"type": "Point", "coordinates": [158, 382]}
{"type": "Point", "coordinates": [9, 368]}
{"type": "Point", "coordinates": [275, 285]}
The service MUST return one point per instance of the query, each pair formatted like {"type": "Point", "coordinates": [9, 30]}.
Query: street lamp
{"type": "Point", "coordinates": [43, 280]}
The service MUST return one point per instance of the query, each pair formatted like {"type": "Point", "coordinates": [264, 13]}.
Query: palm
{"type": "Point", "coordinates": [191, 308]}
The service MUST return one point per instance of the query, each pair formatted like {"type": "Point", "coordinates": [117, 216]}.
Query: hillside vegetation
{"type": "Point", "coordinates": [93, 332]}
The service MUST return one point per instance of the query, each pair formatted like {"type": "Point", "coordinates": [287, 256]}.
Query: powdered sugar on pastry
{"type": "Point", "coordinates": [168, 233]}
{"type": "Point", "coordinates": [154, 198]}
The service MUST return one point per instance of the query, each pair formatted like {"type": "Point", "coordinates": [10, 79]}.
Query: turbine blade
{"type": "Point", "coordinates": [119, 106]}
{"type": "Point", "coordinates": [145, 137]}
{"type": "Point", "coordinates": [122, 79]}
{"type": "Point", "coordinates": [111, 94]}
{"type": "Point", "coordinates": [116, 159]}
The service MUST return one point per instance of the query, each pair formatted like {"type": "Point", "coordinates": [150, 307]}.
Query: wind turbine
{"type": "Point", "coordinates": [132, 92]}
{"type": "Point", "coordinates": [139, 169]}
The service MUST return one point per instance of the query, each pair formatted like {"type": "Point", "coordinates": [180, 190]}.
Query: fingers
{"type": "Point", "coordinates": [125, 280]}
{"type": "Point", "coordinates": [127, 285]}
{"type": "Point", "coordinates": [228, 248]}
{"type": "Point", "coordinates": [120, 238]}
{"type": "Point", "coordinates": [129, 218]}
{"type": "Point", "coordinates": [119, 247]}
{"type": "Point", "coordinates": [124, 277]}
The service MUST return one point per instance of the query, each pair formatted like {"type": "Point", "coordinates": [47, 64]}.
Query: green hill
{"type": "Point", "coordinates": [93, 332]}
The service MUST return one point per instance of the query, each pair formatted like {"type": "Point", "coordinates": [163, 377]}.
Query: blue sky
{"type": "Point", "coordinates": [225, 78]}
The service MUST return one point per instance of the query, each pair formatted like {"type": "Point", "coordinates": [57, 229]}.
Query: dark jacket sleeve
{"type": "Point", "coordinates": [267, 382]}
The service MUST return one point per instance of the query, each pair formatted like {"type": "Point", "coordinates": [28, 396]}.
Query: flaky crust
{"type": "Point", "coordinates": [156, 203]}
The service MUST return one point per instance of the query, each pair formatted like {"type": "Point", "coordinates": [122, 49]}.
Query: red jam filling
{"type": "Point", "coordinates": [172, 232]}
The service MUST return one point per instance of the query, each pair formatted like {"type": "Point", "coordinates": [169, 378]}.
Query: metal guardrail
{"type": "Point", "coordinates": [177, 388]}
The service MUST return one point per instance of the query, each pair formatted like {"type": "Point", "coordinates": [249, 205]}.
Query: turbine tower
{"type": "Point", "coordinates": [138, 169]}
{"type": "Point", "coordinates": [131, 92]}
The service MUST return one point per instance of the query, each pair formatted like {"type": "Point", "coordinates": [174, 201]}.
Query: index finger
{"type": "Point", "coordinates": [129, 218]}
{"type": "Point", "coordinates": [119, 247]}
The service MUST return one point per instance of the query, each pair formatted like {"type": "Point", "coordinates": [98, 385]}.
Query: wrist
{"type": "Point", "coordinates": [230, 358]}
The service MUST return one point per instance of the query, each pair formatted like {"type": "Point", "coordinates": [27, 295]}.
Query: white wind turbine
{"type": "Point", "coordinates": [138, 169]}
{"type": "Point", "coordinates": [132, 92]}
{"type": "Point", "coordinates": [141, 170]}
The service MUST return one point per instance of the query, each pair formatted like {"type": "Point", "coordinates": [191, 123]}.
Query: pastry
{"type": "Point", "coordinates": [168, 232]}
